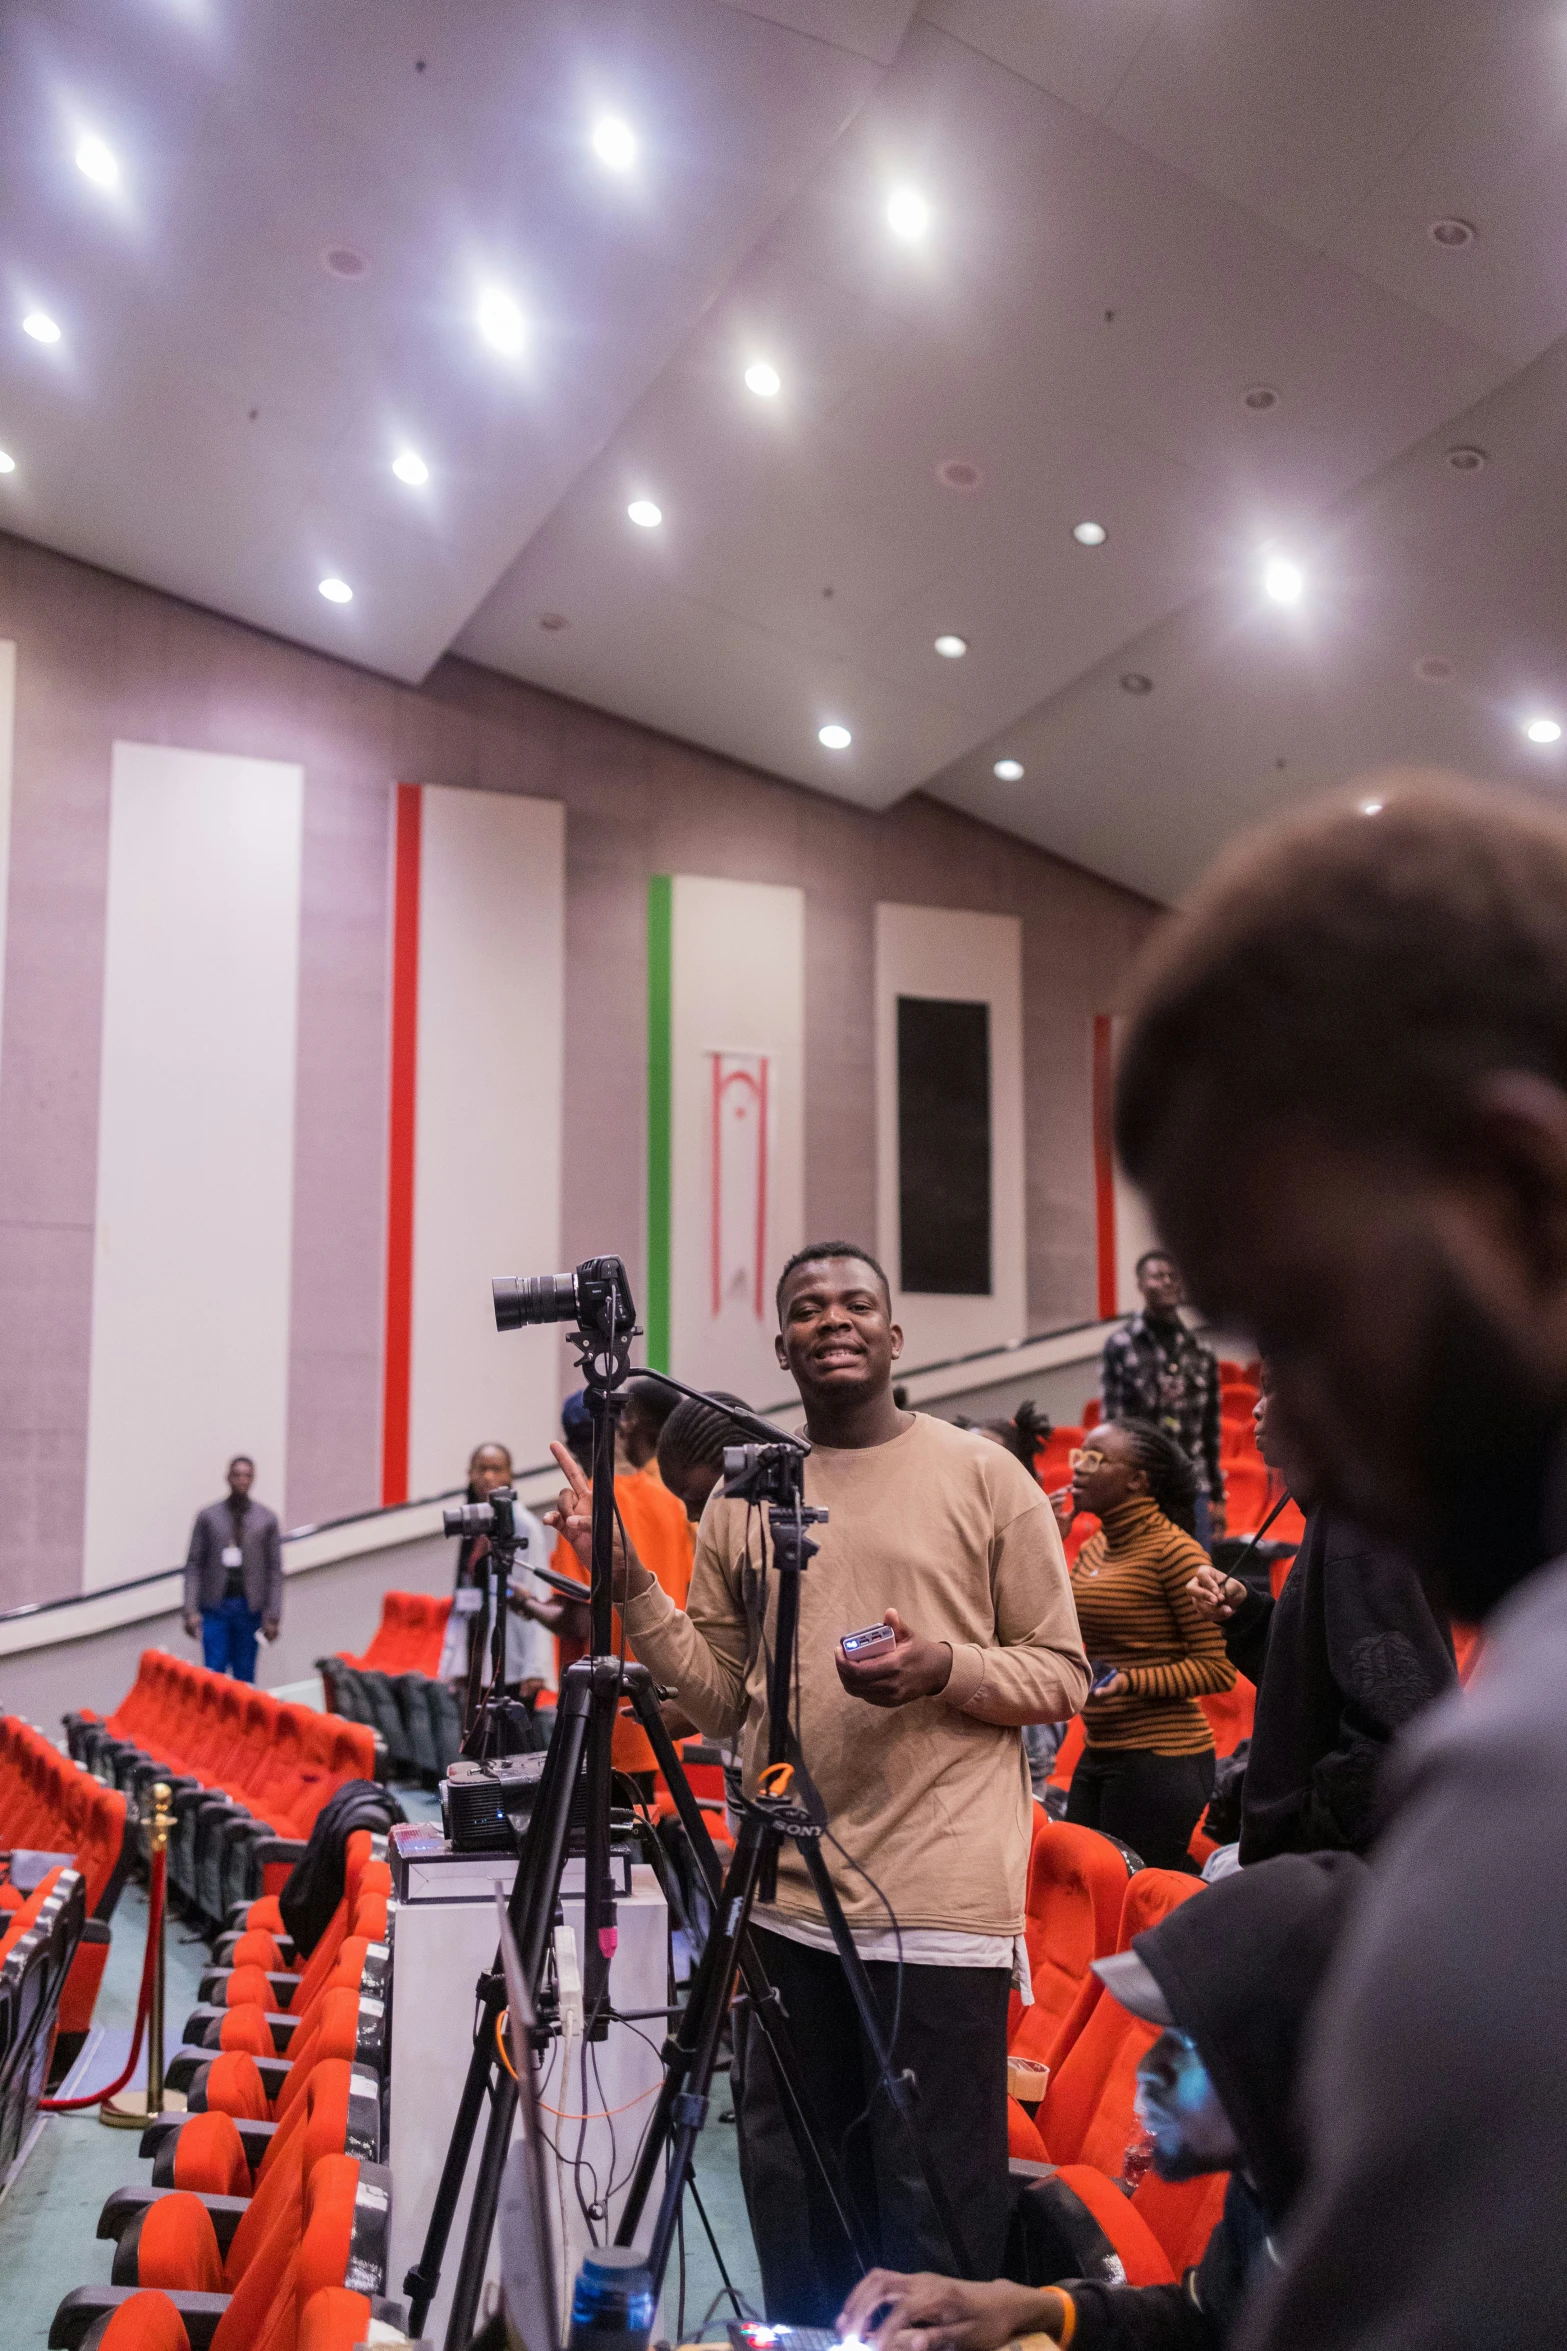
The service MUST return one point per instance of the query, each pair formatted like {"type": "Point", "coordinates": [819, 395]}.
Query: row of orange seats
{"type": "Point", "coordinates": [268, 2195]}
{"type": "Point", "coordinates": [249, 1773]}
{"type": "Point", "coordinates": [1087, 1897]}
{"type": "Point", "coordinates": [39, 1950]}
{"type": "Point", "coordinates": [48, 1804]}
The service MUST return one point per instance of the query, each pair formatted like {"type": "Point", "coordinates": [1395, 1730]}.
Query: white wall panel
{"type": "Point", "coordinates": [972, 959]}
{"type": "Point", "coordinates": [7, 755]}
{"type": "Point", "coordinates": [737, 1142]}
{"type": "Point", "coordinates": [487, 1148]}
{"type": "Point", "coordinates": [195, 1146]}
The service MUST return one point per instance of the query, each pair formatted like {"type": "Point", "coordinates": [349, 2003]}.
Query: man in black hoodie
{"type": "Point", "coordinates": [1349, 1652]}
{"type": "Point", "coordinates": [1231, 1976]}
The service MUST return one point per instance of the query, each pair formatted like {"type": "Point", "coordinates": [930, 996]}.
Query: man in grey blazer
{"type": "Point", "coordinates": [234, 1576]}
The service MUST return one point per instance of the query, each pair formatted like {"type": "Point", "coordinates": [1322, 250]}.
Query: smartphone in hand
{"type": "Point", "coordinates": [874, 1640]}
{"type": "Point", "coordinates": [1104, 1675]}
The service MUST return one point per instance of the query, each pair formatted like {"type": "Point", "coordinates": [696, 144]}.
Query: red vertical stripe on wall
{"type": "Point", "coordinates": [400, 1146]}
{"type": "Point", "coordinates": [1104, 1160]}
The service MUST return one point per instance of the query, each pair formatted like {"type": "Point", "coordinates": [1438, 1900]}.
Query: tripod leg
{"type": "Point", "coordinates": [901, 2088]}
{"type": "Point", "coordinates": [535, 1894]}
{"type": "Point", "coordinates": [810, 2141]}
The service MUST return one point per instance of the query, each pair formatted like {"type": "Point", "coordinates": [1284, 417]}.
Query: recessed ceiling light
{"type": "Point", "coordinates": [7, 461]}
{"type": "Point", "coordinates": [1466, 458]}
{"type": "Point", "coordinates": [763, 380]}
{"type": "Point", "coordinates": [1543, 730]}
{"type": "Point", "coordinates": [951, 648]}
{"type": "Point", "coordinates": [344, 261]}
{"type": "Point", "coordinates": [1010, 771]}
{"type": "Point", "coordinates": [1284, 581]}
{"type": "Point", "coordinates": [1259, 398]}
{"type": "Point", "coordinates": [41, 327]}
{"type": "Point", "coordinates": [645, 514]}
{"type": "Point", "coordinates": [1134, 682]}
{"type": "Point", "coordinates": [1371, 808]}
{"type": "Point", "coordinates": [956, 473]}
{"type": "Point", "coordinates": [1090, 534]}
{"type": "Point", "coordinates": [501, 323]}
{"type": "Point", "coordinates": [1453, 234]}
{"type": "Point", "coordinates": [1433, 669]}
{"type": "Point", "coordinates": [411, 468]}
{"type": "Point", "coordinates": [834, 738]}
{"type": "Point", "coordinates": [553, 621]}
{"type": "Point", "coordinates": [96, 162]}
{"type": "Point", "coordinates": [615, 143]}
{"type": "Point", "coordinates": [337, 591]}
{"type": "Point", "coordinates": [908, 214]}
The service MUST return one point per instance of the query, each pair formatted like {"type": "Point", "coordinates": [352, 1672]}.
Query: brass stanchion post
{"type": "Point", "coordinates": [137, 2107]}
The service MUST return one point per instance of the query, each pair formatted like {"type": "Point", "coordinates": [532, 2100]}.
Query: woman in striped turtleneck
{"type": "Point", "coordinates": [1146, 1770]}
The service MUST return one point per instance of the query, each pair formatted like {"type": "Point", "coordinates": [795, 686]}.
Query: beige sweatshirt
{"type": "Point", "coordinates": [931, 1798]}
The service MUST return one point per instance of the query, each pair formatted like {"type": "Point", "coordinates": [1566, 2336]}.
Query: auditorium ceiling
{"type": "Point", "coordinates": [1271, 295]}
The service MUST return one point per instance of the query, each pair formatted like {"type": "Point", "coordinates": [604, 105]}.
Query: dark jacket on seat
{"type": "Point", "coordinates": [206, 1577]}
{"type": "Point", "coordinates": [1345, 1656]}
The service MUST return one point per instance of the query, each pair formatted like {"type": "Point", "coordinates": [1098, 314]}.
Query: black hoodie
{"type": "Point", "coordinates": [1240, 1967]}
{"type": "Point", "coordinates": [1349, 1651]}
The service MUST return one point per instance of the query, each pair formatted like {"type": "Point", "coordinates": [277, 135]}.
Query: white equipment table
{"type": "Point", "coordinates": [445, 1940]}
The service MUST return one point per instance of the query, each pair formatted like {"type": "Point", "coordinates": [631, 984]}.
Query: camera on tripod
{"type": "Point", "coordinates": [493, 1517]}
{"type": "Point", "coordinates": [765, 1474]}
{"type": "Point", "coordinates": [596, 1296]}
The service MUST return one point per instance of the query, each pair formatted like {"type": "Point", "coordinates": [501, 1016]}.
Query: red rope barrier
{"type": "Point", "coordinates": [149, 1968]}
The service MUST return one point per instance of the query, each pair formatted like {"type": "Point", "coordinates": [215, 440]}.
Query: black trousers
{"type": "Point", "coordinates": [952, 2031]}
{"type": "Point", "coordinates": [1151, 1802]}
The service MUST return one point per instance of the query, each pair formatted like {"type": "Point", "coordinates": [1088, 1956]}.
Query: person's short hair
{"type": "Point", "coordinates": [815, 1252]}
{"type": "Point", "coordinates": [1361, 965]}
{"type": "Point", "coordinates": [236, 1458]}
{"type": "Point", "coordinates": [491, 1445]}
{"type": "Point", "coordinates": [576, 1423]}
{"type": "Point", "coordinates": [652, 1399]}
{"type": "Point", "coordinates": [1151, 1257]}
{"type": "Point", "coordinates": [695, 1434]}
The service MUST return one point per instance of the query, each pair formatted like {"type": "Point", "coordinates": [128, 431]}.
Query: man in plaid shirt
{"type": "Point", "coordinates": [1156, 1369]}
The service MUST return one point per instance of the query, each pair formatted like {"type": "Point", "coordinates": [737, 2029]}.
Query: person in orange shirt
{"type": "Point", "coordinates": [660, 1533]}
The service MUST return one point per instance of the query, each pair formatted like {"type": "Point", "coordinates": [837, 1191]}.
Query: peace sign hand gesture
{"type": "Point", "coordinates": [572, 1518]}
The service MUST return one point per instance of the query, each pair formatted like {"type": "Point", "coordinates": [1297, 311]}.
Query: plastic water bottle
{"type": "Point", "coordinates": [612, 2301]}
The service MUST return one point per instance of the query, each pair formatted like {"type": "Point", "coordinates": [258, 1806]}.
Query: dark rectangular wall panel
{"type": "Point", "coordinates": [944, 1146]}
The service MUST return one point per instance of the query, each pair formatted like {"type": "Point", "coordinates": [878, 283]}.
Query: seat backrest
{"type": "Point", "coordinates": [1089, 2099]}
{"type": "Point", "coordinates": [1077, 1883]}
{"type": "Point", "coordinates": [1229, 1714]}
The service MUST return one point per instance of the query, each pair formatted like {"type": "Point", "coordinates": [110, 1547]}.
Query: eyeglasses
{"type": "Point", "coordinates": [1085, 1458]}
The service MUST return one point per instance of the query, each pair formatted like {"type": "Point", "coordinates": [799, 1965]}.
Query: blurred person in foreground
{"type": "Point", "coordinates": [913, 1755]}
{"type": "Point", "coordinates": [1349, 1652]}
{"type": "Point", "coordinates": [1229, 1979]}
{"type": "Point", "coordinates": [234, 1576]}
{"type": "Point", "coordinates": [1362, 1015]}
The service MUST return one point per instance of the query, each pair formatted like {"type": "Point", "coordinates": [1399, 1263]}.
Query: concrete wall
{"type": "Point", "coordinates": [99, 661]}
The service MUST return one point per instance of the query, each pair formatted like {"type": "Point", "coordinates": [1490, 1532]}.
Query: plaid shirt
{"type": "Point", "coordinates": [1164, 1373]}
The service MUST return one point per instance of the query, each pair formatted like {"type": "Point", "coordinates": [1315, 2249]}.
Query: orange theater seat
{"type": "Point", "coordinates": [1230, 1713]}
{"type": "Point", "coordinates": [1077, 1884]}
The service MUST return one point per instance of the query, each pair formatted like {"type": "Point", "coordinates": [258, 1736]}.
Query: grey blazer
{"type": "Point", "coordinates": [205, 1574]}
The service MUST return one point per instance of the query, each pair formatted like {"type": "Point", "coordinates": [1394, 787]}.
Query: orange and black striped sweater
{"type": "Point", "coordinates": [1135, 1613]}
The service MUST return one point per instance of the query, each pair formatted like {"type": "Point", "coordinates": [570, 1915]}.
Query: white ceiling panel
{"type": "Point", "coordinates": [1138, 210]}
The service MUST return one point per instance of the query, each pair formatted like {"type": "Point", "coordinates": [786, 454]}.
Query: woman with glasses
{"type": "Point", "coordinates": [1146, 1771]}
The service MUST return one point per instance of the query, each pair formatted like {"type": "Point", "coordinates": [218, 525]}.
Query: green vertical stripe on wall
{"type": "Point", "coordinates": [660, 962]}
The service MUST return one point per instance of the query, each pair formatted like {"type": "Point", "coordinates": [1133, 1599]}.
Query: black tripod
{"type": "Point", "coordinates": [590, 1696]}
{"type": "Point", "coordinates": [598, 1298]}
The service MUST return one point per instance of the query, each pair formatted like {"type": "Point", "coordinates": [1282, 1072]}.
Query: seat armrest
{"type": "Point", "coordinates": [82, 2309]}
{"type": "Point", "coordinates": [254, 2137]}
{"type": "Point", "coordinates": [271, 1847]}
{"type": "Point", "coordinates": [120, 2209]}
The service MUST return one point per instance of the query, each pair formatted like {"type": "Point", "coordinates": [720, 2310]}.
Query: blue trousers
{"type": "Point", "coordinates": [228, 1638]}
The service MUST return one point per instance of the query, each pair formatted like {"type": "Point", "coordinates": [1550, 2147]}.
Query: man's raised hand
{"type": "Point", "coordinates": [572, 1518]}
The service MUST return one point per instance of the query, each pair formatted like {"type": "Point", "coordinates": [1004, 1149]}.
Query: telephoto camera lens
{"type": "Point", "coordinates": [526, 1298]}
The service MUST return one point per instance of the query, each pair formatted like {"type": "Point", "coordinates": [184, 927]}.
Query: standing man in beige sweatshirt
{"type": "Point", "coordinates": [917, 1759]}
